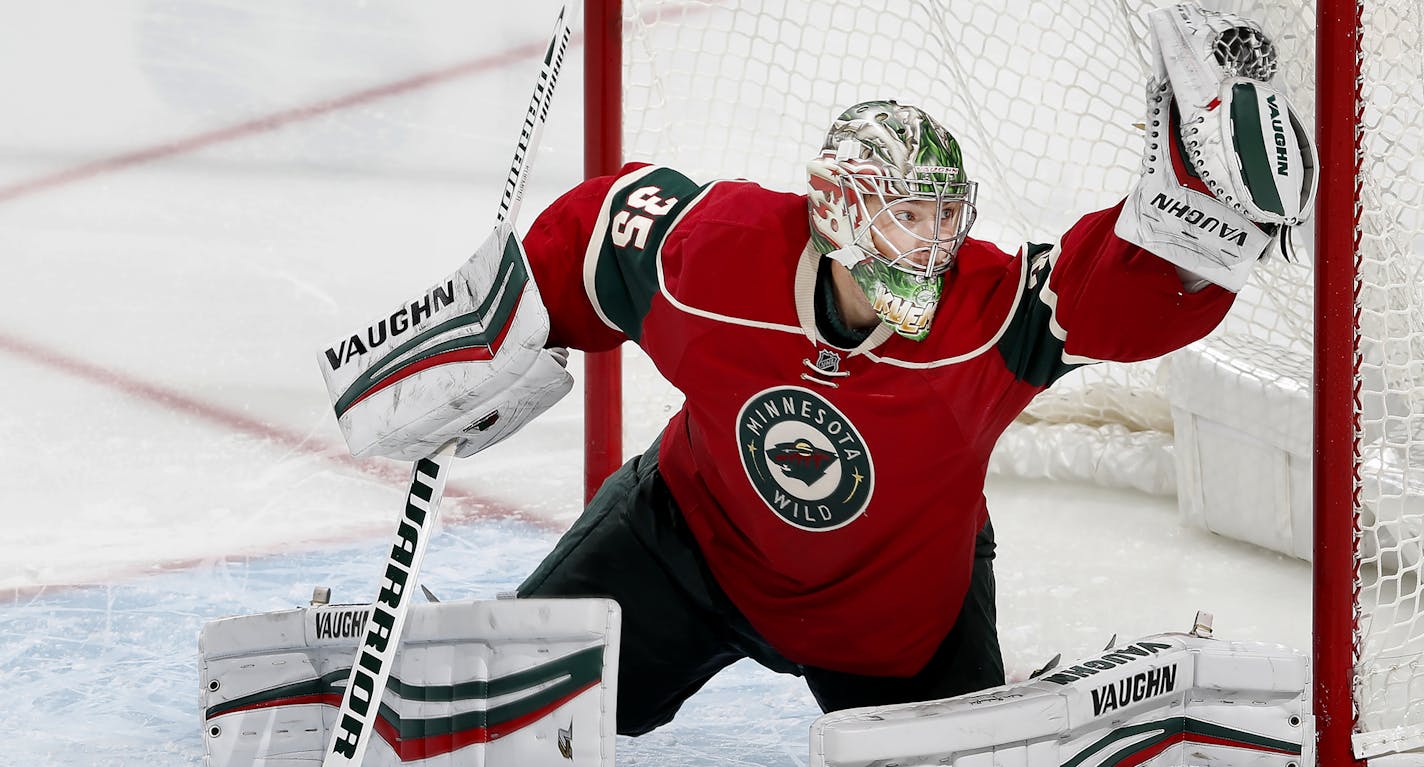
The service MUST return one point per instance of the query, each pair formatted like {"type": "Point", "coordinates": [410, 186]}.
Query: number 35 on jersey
{"type": "Point", "coordinates": [631, 225]}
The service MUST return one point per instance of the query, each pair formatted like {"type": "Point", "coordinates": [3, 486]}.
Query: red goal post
{"type": "Point", "coordinates": [1044, 96]}
{"type": "Point", "coordinates": [1336, 562]}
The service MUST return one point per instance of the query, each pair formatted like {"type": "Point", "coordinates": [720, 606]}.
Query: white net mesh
{"type": "Point", "coordinates": [1043, 97]}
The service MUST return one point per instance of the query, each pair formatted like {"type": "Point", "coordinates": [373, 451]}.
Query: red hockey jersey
{"type": "Point", "coordinates": [836, 493]}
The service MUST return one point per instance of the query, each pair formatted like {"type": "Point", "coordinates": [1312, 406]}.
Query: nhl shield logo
{"type": "Point", "coordinates": [804, 458]}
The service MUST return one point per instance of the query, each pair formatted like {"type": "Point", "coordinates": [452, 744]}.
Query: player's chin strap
{"type": "Point", "coordinates": [1229, 166]}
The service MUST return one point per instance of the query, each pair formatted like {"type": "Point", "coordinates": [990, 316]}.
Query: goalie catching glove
{"type": "Point", "coordinates": [465, 361]}
{"type": "Point", "coordinates": [1228, 162]}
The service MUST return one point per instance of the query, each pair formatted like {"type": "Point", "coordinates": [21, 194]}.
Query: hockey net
{"type": "Point", "coordinates": [1045, 98]}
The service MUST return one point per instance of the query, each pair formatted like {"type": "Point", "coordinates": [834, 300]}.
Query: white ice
{"type": "Point", "coordinates": [168, 452]}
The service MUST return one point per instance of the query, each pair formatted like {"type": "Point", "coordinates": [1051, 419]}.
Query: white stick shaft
{"type": "Point", "coordinates": [534, 121]}
{"type": "Point", "coordinates": [361, 703]}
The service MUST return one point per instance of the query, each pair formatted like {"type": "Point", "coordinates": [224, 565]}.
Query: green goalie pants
{"type": "Point", "coordinates": [680, 629]}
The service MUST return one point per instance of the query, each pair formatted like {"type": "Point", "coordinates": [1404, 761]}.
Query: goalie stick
{"type": "Point", "coordinates": [371, 668]}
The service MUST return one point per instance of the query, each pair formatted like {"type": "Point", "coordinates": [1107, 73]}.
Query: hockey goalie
{"type": "Point", "coordinates": [849, 357]}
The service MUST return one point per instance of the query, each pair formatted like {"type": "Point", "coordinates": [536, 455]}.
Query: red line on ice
{"type": "Point", "coordinates": [270, 122]}
{"type": "Point", "coordinates": [302, 113]}
{"type": "Point", "coordinates": [469, 505]}
{"type": "Point", "coordinates": [177, 401]}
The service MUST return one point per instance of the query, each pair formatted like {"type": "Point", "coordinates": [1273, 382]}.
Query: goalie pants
{"type": "Point", "coordinates": [680, 629]}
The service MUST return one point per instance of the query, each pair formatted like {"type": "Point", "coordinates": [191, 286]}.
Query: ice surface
{"type": "Point", "coordinates": [168, 453]}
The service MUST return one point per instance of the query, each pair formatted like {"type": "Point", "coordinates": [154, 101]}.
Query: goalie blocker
{"type": "Point", "coordinates": [463, 361]}
{"type": "Point", "coordinates": [523, 682]}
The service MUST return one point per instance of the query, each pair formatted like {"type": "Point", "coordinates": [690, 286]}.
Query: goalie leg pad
{"type": "Point", "coordinates": [1166, 699]}
{"type": "Point", "coordinates": [480, 683]}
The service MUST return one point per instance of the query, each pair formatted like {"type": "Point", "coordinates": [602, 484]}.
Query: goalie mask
{"type": "Point", "coordinates": [889, 200]}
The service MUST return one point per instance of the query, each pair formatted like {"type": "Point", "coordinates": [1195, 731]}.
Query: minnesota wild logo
{"type": "Point", "coordinates": [805, 458]}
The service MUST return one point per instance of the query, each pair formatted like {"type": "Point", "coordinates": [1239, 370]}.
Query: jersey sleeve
{"type": "Point", "coordinates": [594, 253]}
{"type": "Point", "coordinates": [1094, 297]}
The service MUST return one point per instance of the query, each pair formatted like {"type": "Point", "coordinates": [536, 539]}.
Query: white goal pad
{"type": "Point", "coordinates": [1166, 699]}
{"type": "Point", "coordinates": [521, 682]}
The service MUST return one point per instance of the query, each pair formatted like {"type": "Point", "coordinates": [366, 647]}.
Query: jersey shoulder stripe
{"type": "Point", "coordinates": [1032, 346]}
{"type": "Point", "coordinates": [621, 265]}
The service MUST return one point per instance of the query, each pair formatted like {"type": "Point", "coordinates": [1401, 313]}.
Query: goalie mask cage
{"type": "Point", "coordinates": [1044, 97]}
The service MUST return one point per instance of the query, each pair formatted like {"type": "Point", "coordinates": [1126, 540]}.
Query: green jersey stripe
{"type": "Point", "coordinates": [1030, 347]}
{"type": "Point", "coordinates": [640, 215]}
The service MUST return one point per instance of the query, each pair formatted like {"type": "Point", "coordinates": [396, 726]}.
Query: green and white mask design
{"type": "Point", "coordinates": [888, 199]}
{"type": "Point", "coordinates": [902, 300]}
